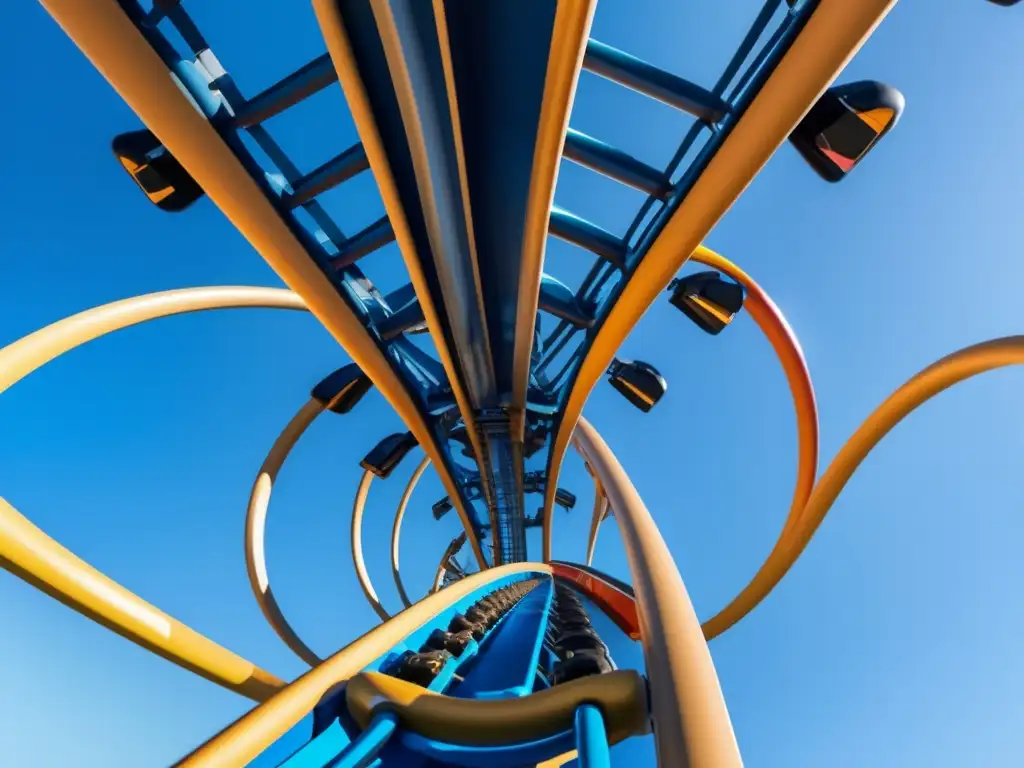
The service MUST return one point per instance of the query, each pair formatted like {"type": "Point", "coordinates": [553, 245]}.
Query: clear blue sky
{"type": "Point", "coordinates": [894, 642]}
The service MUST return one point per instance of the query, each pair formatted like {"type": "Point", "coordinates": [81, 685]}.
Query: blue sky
{"type": "Point", "coordinates": [895, 640]}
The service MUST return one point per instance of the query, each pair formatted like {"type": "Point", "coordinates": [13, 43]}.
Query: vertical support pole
{"type": "Point", "coordinates": [591, 738]}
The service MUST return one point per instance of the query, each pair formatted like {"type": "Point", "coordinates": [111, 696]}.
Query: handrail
{"type": "Point", "coordinates": [247, 737]}
{"type": "Point", "coordinates": [621, 695]}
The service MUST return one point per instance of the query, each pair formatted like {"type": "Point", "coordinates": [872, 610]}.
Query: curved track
{"type": "Point", "coordinates": [468, 183]}
{"type": "Point", "coordinates": [33, 556]}
{"type": "Point", "coordinates": [396, 529]}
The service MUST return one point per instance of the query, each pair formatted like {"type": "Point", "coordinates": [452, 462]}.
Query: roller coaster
{"type": "Point", "coordinates": [463, 115]}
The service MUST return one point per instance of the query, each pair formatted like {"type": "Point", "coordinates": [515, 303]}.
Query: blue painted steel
{"type": "Point", "coordinates": [195, 87]}
{"type": "Point", "coordinates": [287, 744]}
{"type": "Point", "coordinates": [757, 28]}
{"type": "Point", "coordinates": [376, 235]}
{"type": "Point", "coordinates": [504, 756]}
{"type": "Point", "coordinates": [207, 97]}
{"type": "Point", "coordinates": [538, 640]}
{"type": "Point", "coordinates": [499, 60]}
{"type": "Point", "coordinates": [332, 728]}
{"type": "Point", "coordinates": [615, 164]}
{"type": "Point", "coordinates": [400, 296]}
{"type": "Point", "coordinates": [319, 751]}
{"type": "Point", "coordinates": [183, 23]}
{"type": "Point", "coordinates": [512, 652]}
{"type": "Point", "coordinates": [449, 249]}
{"type": "Point", "coordinates": [499, 57]}
{"type": "Point", "coordinates": [430, 368]}
{"type": "Point", "coordinates": [578, 231]}
{"type": "Point", "coordinates": [329, 175]}
{"type": "Point", "coordinates": [465, 339]}
{"type": "Point", "coordinates": [637, 74]}
{"type": "Point", "coordinates": [591, 738]}
{"type": "Point", "coordinates": [299, 85]}
{"type": "Point", "coordinates": [375, 74]}
{"type": "Point", "coordinates": [330, 709]}
{"type": "Point", "coordinates": [278, 180]}
{"type": "Point", "coordinates": [601, 273]}
{"type": "Point", "coordinates": [755, 66]}
{"type": "Point", "coordinates": [451, 669]}
{"type": "Point", "coordinates": [558, 299]}
{"type": "Point", "coordinates": [548, 659]}
{"type": "Point", "coordinates": [362, 752]}
{"type": "Point", "coordinates": [404, 319]}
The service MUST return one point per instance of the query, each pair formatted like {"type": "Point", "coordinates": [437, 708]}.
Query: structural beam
{"type": "Point", "coordinates": [396, 530]}
{"type": "Point", "coordinates": [329, 175]}
{"type": "Point", "coordinates": [579, 231]}
{"type": "Point", "coordinates": [363, 243]}
{"type": "Point", "coordinates": [358, 55]}
{"type": "Point", "coordinates": [691, 723]}
{"type": "Point", "coordinates": [244, 740]}
{"type": "Point", "coordinates": [615, 164]}
{"type": "Point", "coordinates": [470, 209]}
{"type": "Point", "coordinates": [121, 53]}
{"type": "Point", "coordinates": [647, 79]}
{"type": "Point", "coordinates": [286, 93]}
{"type": "Point", "coordinates": [33, 556]}
{"type": "Point", "coordinates": [37, 559]}
{"type": "Point", "coordinates": [834, 32]}
{"type": "Point", "coordinates": [934, 379]}
{"type": "Point", "coordinates": [256, 529]}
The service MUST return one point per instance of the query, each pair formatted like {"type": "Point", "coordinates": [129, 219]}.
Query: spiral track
{"type": "Point", "coordinates": [505, 665]}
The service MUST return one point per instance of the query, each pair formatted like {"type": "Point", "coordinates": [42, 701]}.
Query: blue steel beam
{"type": "Point", "coordinates": [388, 59]}
{"type": "Point", "coordinates": [578, 231]}
{"type": "Point", "coordinates": [599, 274]}
{"type": "Point", "coordinates": [466, 106]}
{"type": "Point", "coordinates": [559, 300]}
{"type": "Point", "coordinates": [286, 93]}
{"type": "Point", "coordinates": [405, 318]}
{"type": "Point", "coordinates": [376, 235]}
{"type": "Point", "coordinates": [789, 79]}
{"type": "Point", "coordinates": [615, 164]}
{"type": "Point", "coordinates": [511, 71]}
{"type": "Point", "coordinates": [139, 60]}
{"type": "Point", "coordinates": [517, 642]}
{"type": "Point", "coordinates": [329, 175]}
{"type": "Point", "coordinates": [628, 70]}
